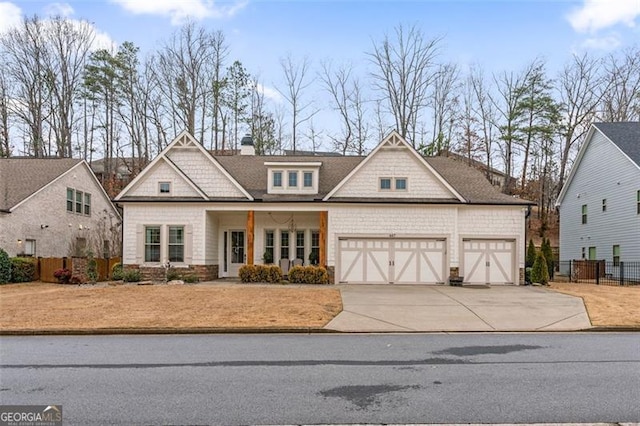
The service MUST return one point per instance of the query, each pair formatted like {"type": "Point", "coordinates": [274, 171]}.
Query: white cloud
{"type": "Point", "coordinates": [59, 9]}
{"type": "Point", "coordinates": [181, 10]}
{"type": "Point", "coordinates": [609, 42]}
{"type": "Point", "coordinates": [10, 16]}
{"type": "Point", "coordinates": [269, 92]}
{"type": "Point", "coordinates": [595, 15]}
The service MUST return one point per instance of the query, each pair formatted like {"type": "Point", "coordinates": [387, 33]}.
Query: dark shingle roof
{"type": "Point", "coordinates": [626, 135]}
{"type": "Point", "coordinates": [21, 177]}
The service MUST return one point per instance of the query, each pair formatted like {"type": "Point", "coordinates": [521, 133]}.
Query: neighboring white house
{"type": "Point", "coordinates": [55, 207]}
{"type": "Point", "coordinates": [390, 217]}
{"type": "Point", "coordinates": [600, 202]}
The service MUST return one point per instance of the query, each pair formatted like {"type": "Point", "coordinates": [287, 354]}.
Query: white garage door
{"type": "Point", "coordinates": [488, 261]}
{"type": "Point", "coordinates": [392, 260]}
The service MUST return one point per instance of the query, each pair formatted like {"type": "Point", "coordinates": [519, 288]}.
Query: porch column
{"type": "Point", "coordinates": [250, 228]}
{"type": "Point", "coordinates": [322, 261]}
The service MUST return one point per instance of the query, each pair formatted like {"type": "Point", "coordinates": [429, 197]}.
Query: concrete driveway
{"type": "Point", "coordinates": [407, 308]}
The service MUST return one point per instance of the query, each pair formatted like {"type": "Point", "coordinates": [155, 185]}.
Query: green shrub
{"type": "Point", "coordinates": [173, 274]}
{"type": "Point", "coordinates": [5, 267]}
{"type": "Point", "coordinates": [190, 278]}
{"type": "Point", "coordinates": [131, 275]}
{"type": "Point", "coordinates": [308, 275]}
{"type": "Point", "coordinates": [548, 255]}
{"type": "Point", "coordinates": [23, 269]}
{"type": "Point", "coordinates": [116, 272]}
{"type": "Point", "coordinates": [531, 254]}
{"type": "Point", "coordinates": [92, 268]}
{"type": "Point", "coordinates": [527, 275]}
{"type": "Point", "coordinates": [539, 272]}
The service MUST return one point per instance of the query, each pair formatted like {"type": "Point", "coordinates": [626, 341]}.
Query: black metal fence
{"type": "Point", "coordinates": [598, 272]}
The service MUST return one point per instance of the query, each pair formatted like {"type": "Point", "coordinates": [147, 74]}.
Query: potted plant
{"type": "Point", "coordinates": [313, 258]}
{"type": "Point", "coordinates": [63, 275]}
{"type": "Point", "coordinates": [267, 257]}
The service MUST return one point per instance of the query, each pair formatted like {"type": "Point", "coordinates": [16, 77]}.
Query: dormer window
{"type": "Point", "coordinates": [164, 188]}
{"type": "Point", "coordinates": [295, 177]}
{"type": "Point", "coordinates": [393, 184]}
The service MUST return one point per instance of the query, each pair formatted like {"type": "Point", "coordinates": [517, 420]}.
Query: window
{"type": "Point", "coordinates": [284, 244]}
{"type": "Point", "coordinates": [300, 245]}
{"type": "Point", "coordinates": [616, 255]}
{"type": "Point", "coordinates": [584, 214]}
{"type": "Point", "coordinates": [401, 184]}
{"type": "Point", "coordinates": [604, 205]}
{"type": "Point", "coordinates": [314, 257]}
{"type": "Point", "coordinates": [385, 184]}
{"type": "Point", "coordinates": [30, 247]}
{"type": "Point", "coordinates": [268, 246]}
{"type": "Point", "coordinates": [592, 253]}
{"type": "Point", "coordinates": [152, 244]}
{"type": "Point", "coordinates": [584, 252]}
{"type": "Point", "coordinates": [106, 249]}
{"type": "Point", "coordinates": [78, 202]}
{"type": "Point", "coordinates": [308, 179]}
{"type": "Point", "coordinates": [70, 195]}
{"type": "Point", "coordinates": [277, 179]}
{"type": "Point", "coordinates": [164, 187]}
{"type": "Point", "coordinates": [293, 179]}
{"type": "Point", "coordinates": [176, 244]}
{"type": "Point", "coordinates": [87, 204]}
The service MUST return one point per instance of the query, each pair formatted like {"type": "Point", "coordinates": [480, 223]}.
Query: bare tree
{"type": "Point", "coordinates": [443, 101]}
{"type": "Point", "coordinates": [580, 89]}
{"type": "Point", "coordinates": [296, 82]}
{"type": "Point", "coordinates": [403, 73]}
{"type": "Point", "coordinates": [484, 112]}
{"type": "Point", "coordinates": [220, 53]}
{"type": "Point", "coordinates": [469, 141]}
{"type": "Point", "coordinates": [621, 96]}
{"type": "Point", "coordinates": [261, 121]}
{"type": "Point", "coordinates": [5, 146]}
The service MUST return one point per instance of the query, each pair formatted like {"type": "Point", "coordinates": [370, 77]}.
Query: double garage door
{"type": "Point", "coordinates": [488, 261]}
{"type": "Point", "coordinates": [392, 260]}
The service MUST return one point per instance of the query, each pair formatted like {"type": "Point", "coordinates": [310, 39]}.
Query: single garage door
{"type": "Point", "coordinates": [392, 260]}
{"type": "Point", "coordinates": [488, 261]}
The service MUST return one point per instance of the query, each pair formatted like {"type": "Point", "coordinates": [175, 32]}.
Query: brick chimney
{"type": "Point", "coordinates": [246, 146]}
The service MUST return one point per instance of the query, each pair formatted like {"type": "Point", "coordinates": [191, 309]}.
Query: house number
{"type": "Point", "coordinates": [392, 235]}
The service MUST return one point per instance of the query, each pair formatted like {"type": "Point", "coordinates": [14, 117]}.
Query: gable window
{"type": "Point", "coordinates": [385, 184]}
{"type": "Point", "coordinates": [176, 244]}
{"type": "Point", "coordinates": [616, 255]}
{"type": "Point", "coordinates": [277, 179]}
{"type": "Point", "coordinates": [284, 244]}
{"type": "Point", "coordinates": [164, 187]}
{"type": "Point", "coordinates": [70, 197]}
{"type": "Point", "coordinates": [87, 204]}
{"type": "Point", "coordinates": [268, 246]}
{"type": "Point", "coordinates": [293, 179]}
{"type": "Point", "coordinates": [401, 184]}
{"type": "Point", "coordinates": [308, 179]}
{"type": "Point", "coordinates": [300, 245]}
{"type": "Point", "coordinates": [604, 205]}
{"type": "Point", "coordinates": [78, 202]}
{"type": "Point", "coordinates": [152, 244]}
{"type": "Point", "coordinates": [584, 214]}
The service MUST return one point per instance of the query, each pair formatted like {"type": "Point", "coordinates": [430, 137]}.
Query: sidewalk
{"type": "Point", "coordinates": [396, 308]}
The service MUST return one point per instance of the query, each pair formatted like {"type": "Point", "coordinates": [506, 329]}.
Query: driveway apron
{"type": "Point", "coordinates": [430, 308]}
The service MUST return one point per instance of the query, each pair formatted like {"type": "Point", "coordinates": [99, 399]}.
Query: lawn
{"type": "Point", "coordinates": [608, 306]}
{"type": "Point", "coordinates": [50, 307]}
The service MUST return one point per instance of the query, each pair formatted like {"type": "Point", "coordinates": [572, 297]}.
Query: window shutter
{"type": "Point", "coordinates": [188, 244]}
{"type": "Point", "coordinates": [139, 244]}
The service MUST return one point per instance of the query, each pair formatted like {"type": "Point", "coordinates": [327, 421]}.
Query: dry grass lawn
{"type": "Point", "coordinates": [608, 306]}
{"type": "Point", "coordinates": [50, 307]}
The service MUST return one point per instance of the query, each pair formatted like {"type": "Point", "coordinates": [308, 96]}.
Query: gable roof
{"type": "Point", "coordinates": [22, 177]}
{"type": "Point", "coordinates": [626, 136]}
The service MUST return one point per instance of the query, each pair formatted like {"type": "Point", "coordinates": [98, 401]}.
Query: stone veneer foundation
{"type": "Point", "coordinates": [155, 273]}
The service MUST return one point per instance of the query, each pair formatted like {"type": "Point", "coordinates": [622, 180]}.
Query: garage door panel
{"type": "Point", "coordinates": [406, 267]}
{"type": "Point", "coordinates": [377, 265]}
{"type": "Point", "coordinates": [474, 272]}
{"type": "Point", "coordinates": [488, 261]}
{"type": "Point", "coordinates": [431, 267]}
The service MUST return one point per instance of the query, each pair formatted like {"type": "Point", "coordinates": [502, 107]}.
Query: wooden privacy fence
{"type": "Point", "coordinates": [46, 266]}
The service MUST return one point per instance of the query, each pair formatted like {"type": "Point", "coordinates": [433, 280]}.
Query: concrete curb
{"type": "Point", "coordinates": [165, 330]}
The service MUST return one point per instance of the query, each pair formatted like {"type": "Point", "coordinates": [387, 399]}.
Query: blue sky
{"type": "Point", "coordinates": [498, 34]}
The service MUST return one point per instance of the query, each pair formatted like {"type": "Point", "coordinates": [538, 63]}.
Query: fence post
{"type": "Point", "coordinates": [570, 272]}
{"type": "Point", "coordinates": [621, 273]}
{"type": "Point", "coordinates": [597, 272]}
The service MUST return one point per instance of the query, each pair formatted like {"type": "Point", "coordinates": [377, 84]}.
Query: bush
{"type": "Point", "coordinates": [260, 273]}
{"type": "Point", "coordinates": [5, 267]}
{"type": "Point", "coordinates": [308, 275]}
{"type": "Point", "coordinates": [23, 270]}
{"type": "Point", "coordinates": [92, 268]}
{"type": "Point", "coordinates": [531, 254]}
{"type": "Point", "coordinates": [190, 278]}
{"type": "Point", "coordinates": [539, 272]}
{"type": "Point", "coordinates": [63, 275]}
{"type": "Point", "coordinates": [548, 255]}
{"type": "Point", "coordinates": [116, 272]}
{"type": "Point", "coordinates": [132, 276]}
{"type": "Point", "coordinates": [173, 274]}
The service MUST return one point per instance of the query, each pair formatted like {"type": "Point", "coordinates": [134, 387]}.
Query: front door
{"type": "Point", "coordinates": [236, 256]}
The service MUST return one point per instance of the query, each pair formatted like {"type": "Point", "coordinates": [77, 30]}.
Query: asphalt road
{"type": "Point", "coordinates": [310, 379]}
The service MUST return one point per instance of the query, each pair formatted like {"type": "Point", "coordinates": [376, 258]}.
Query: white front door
{"type": "Point", "coordinates": [392, 260]}
{"type": "Point", "coordinates": [236, 256]}
{"type": "Point", "coordinates": [488, 261]}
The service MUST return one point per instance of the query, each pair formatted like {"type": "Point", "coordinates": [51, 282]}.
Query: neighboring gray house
{"type": "Point", "coordinates": [600, 202]}
{"type": "Point", "coordinates": [55, 207]}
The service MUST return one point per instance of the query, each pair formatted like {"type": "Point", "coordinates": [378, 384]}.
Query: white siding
{"type": "Point", "coordinates": [603, 173]}
{"type": "Point", "coordinates": [203, 172]}
{"type": "Point", "coordinates": [162, 172]}
{"type": "Point", "coordinates": [48, 207]}
{"type": "Point", "coordinates": [393, 163]}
